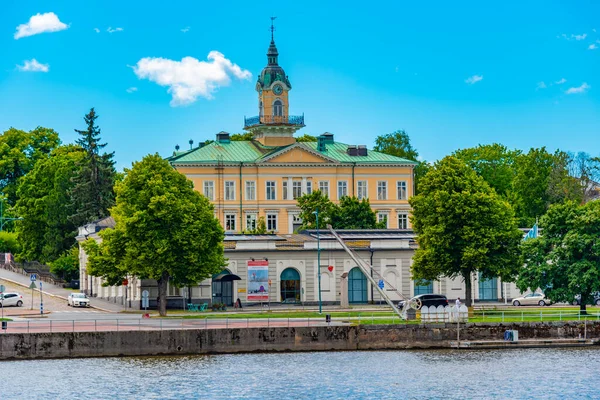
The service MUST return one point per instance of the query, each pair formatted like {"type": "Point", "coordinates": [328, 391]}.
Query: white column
{"type": "Point", "coordinates": [290, 190]}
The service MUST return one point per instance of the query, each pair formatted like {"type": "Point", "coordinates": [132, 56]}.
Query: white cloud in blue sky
{"type": "Point", "coordinates": [592, 46]}
{"type": "Point", "coordinates": [474, 79]}
{"type": "Point", "coordinates": [186, 29]}
{"type": "Point", "coordinates": [579, 89]}
{"type": "Point", "coordinates": [131, 89]}
{"type": "Point", "coordinates": [561, 81]}
{"type": "Point", "coordinates": [541, 85]}
{"type": "Point", "coordinates": [33, 66]}
{"type": "Point", "coordinates": [190, 78]}
{"type": "Point", "coordinates": [113, 30]}
{"type": "Point", "coordinates": [40, 23]}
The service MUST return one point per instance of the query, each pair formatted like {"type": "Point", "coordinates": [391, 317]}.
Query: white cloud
{"type": "Point", "coordinates": [541, 85]}
{"type": "Point", "coordinates": [561, 81]}
{"type": "Point", "coordinates": [113, 30]}
{"type": "Point", "coordinates": [592, 46]}
{"type": "Point", "coordinates": [40, 23]}
{"type": "Point", "coordinates": [131, 89]}
{"type": "Point", "coordinates": [573, 37]}
{"type": "Point", "coordinates": [581, 89]}
{"type": "Point", "coordinates": [190, 78]}
{"type": "Point", "coordinates": [96, 30]}
{"type": "Point", "coordinates": [33, 66]}
{"type": "Point", "coordinates": [474, 79]}
{"type": "Point", "coordinates": [186, 29]}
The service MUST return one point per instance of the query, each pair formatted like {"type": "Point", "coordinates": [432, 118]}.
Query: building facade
{"type": "Point", "coordinates": [263, 177]}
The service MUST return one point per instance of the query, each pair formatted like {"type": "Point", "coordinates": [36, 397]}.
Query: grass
{"type": "Point", "coordinates": [5, 319]}
{"type": "Point", "coordinates": [287, 314]}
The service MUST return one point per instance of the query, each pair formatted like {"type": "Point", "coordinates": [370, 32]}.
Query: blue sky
{"type": "Point", "coordinates": [453, 75]}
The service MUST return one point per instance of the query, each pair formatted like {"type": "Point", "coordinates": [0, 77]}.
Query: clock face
{"type": "Point", "coordinates": [278, 89]}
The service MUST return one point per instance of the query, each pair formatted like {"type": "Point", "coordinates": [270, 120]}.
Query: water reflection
{"type": "Point", "coordinates": [513, 374]}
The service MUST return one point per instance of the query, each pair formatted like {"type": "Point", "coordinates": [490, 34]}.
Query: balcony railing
{"type": "Point", "coordinates": [273, 120]}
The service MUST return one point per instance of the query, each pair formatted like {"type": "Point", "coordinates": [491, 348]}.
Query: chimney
{"type": "Point", "coordinates": [327, 137]}
{"type": "Point", "coordinates": [362, 150]}
{"type": "Point", "coordinates": [352, 150]}
{"type": "Point", "coordinates": [223, 137]}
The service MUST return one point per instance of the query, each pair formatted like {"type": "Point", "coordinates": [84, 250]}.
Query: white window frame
{"type": "Point", "coordinates": [381, 194]}
{"type": "Point", "coordinates": [296, 189]}
{"type": "Point", "coordinates": [250, 185]}
{"type": "Point", "coordinates": [229, 187]}
{"type": "Point", "coordinates": [340, 185]}
{"type": "Point", "coordinates": [285, 189]}
{"type": "Point", "coordinates": [362, 192]}
{"type": "Point", "coordinates": [324, 188]}
{"type": "Point", "coordinates": [275, 217]}
{"type": "Point", "coordinates": [234, 219]}
{"type": "Point", "coordinates": [308, 187]}
{"type": "Point", "coordinates": [404, 216]}
{"type": "Point", "coordinates": [401, 192]}
{"type": "Point", "coordinates": [251, 217]}
{"type": "Point", "coordinates": [209, 185]}
{"type": "Point", "coordinates": [384, 214]}
{"type": "Point", "coordinates": [274, 187]}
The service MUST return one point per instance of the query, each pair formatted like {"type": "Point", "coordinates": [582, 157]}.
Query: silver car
{"type": "Point", "coordinates": [533, 299]}
{"type": "Point", "coordinates": [11, 299]}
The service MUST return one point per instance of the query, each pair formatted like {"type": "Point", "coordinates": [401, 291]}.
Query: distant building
{"type": "Point", "coordinates": [263, 177]}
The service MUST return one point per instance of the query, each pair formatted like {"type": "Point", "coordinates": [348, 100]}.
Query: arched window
{"type": "Point", "coordinates": [278, 108]}
{"type": "Point", "coordinates": [290, 286]}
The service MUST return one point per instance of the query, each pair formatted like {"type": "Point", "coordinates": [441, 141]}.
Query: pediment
{"type": "Point", "coordinates": [297, 154]}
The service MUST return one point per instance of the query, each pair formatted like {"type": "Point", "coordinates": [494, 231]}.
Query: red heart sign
{"type": "Point", "coordinates": [330, 268]}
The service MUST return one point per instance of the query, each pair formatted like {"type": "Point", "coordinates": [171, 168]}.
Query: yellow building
{"type": "Point", "coordinates": [263, 177]}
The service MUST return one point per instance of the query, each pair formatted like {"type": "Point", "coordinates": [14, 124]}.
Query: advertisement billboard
{"type": "Point", "coordinates": [258, 280]}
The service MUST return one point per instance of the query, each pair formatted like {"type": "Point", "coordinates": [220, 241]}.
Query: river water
{"type": "Point", "coordinates": [452, 374]}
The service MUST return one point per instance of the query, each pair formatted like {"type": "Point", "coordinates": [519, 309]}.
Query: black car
{"type": "Point", "coordinates": [427, 300]}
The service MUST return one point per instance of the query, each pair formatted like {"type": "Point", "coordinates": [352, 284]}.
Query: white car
{"type": "Point", "coordinates": [78, 300]}
{"type": "Point", "coordinates": [11, 299]}
{"type": "Point", "coordinates": [533, 299]}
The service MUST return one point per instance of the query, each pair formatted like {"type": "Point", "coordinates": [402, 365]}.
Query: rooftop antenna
{"type": "Point", "coordinates": [177, 147]}
{"type": "Point", "coordinates": [191, 142]}
{"type": "Point", "coordinates": [272, 27]}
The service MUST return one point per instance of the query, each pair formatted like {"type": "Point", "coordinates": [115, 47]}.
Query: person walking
{"type": "Point", "coordinates": [458, 302]}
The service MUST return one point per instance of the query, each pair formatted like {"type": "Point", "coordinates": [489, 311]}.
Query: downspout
{"type": "Point", "coordinates": [372, 251]}
{"type": "Point", "coordinates": [414, 185]}
{"type": "Point", "coordinates": [353, 166]}
{"type": "Point", "coordinates": [241, 193]}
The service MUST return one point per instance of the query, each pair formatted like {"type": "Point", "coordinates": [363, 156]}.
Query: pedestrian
{"type": "Point", "coordinates": [238, 303]}
{"type": "Point", "coordinates": [458, 302]}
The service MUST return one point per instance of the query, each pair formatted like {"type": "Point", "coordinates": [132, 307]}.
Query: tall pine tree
{"type": "Point", "coordinates": [93, 192]}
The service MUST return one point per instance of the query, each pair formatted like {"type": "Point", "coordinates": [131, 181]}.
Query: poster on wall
{"type": "Point", "coordinates": [258, 280]}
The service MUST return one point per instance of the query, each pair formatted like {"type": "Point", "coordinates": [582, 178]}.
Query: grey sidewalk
{"type": "Point", "coordinates": [57, 291]}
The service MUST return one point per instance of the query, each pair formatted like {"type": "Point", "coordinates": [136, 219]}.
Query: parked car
{"type": "Point", "coordinates": [12, 299]}
{"type": "Point", "coordinates": [596, 301]}
{"type": "Point", "coordinates": [533, 299]}
{"type": "Point", "coordinates": [427, 300]}
{"type": "Point", "coordinates": [78, 300]}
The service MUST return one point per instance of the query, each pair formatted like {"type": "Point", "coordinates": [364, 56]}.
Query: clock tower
{"type": "Point", "coordinates": [273, 126]}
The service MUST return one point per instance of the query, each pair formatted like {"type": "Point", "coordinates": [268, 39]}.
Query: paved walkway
{"type": "Point", "coordinates": [56, 291]}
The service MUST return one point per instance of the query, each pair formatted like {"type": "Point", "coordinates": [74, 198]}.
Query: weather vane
{"type": "Point", "coordinates": [272, 26]}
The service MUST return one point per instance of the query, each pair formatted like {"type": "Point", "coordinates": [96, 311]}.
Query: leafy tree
{"type": "Point", "coordinates": [352, 213]}
{"type": "Point", "coordinates": [562, 185]}
{"type": "Point", "coordinates": [165, 230]}
{"type": "Point", "coordinates": [93, 192]}
{"type": "Point", "coordinates": [308, 205]}
{"type": "Point", "coordinates": [67, 265]}
{"type": "Point", "coordinates": [494, 163]}
{"type": "Point", "coordinates": [46, 230]}
{"type": "Point", "coordinates": [306, 138]}
{"type": "Point", "coordinates": [9, 242]}
{"type": "Point", "coordinates": [586, 170]}
{"type": "Point", "coordinates": [565, 260]}
{"type": "Point", "coordinates": [396, 144]}
{"type": "Point", "coordinates": [19, 151]}
{"type": "Point", "coordinates": [463, 226]}
{"type": "Point", "coordinates": [241, 136]}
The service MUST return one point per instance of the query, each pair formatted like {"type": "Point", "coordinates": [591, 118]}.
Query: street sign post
{"type": "Point", "coordinates": [41, 300]}
{"type": "Point", "coordinates": [145, 300]}
{"type": "Point", "coordinates": [32, 286]}
{"type": "Point", "coordinates": [380, 284]}
{"type": "Point", "coordinates": [33, 277]}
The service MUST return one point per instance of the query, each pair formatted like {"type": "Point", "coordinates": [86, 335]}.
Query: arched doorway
{"type": "Point", "coordinates": [222, 288]}
{"type": "Point", "coordinates": [357, 286]}
{"type": "Point", "coordinates": [290, 286]}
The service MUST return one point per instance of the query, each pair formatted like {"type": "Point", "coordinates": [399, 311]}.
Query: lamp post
{"type": "Point", "coordinates": [319, 259]}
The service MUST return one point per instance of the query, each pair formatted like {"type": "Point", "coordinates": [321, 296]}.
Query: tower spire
{"type": "Point", "coordinates": [273, 28]}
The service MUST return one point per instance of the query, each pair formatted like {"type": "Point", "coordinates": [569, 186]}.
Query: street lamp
{"type": "Point", "coordinates": [319, 259]}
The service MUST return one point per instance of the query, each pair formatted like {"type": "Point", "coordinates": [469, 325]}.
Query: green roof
{"type": "Point", "coordinates": [252, 151]}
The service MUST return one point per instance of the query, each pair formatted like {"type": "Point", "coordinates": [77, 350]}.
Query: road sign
{"type": "Point", "coordinates": [145, 294]}
{"type": "Point", "coordinates": [380, 284]}
{"type": "Point", "coordinates": [145, 302]}
{"type": "Point", "coordinates": [33, 277]}
{"type": "Point", "coordinates": [32, 286]}
{"type": "Point", "coordinates": [125, 282]}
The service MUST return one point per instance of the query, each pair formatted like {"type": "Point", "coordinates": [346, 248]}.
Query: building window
{"type": "Point", "coordinates": [342, 189]}
{"type": "Point", "coordinates": [362, 190]}
{"type": "Point", "coordinates": [260, 108]}
{"type": "Point", "coordinates": [383, 216]}
{"type": "Point", "coordinates": [250, 222]}
{"type": "Point", "coordinates": [230, 222]}
{"type": "Point", "coordinates": [402, 221]}
{"type": "Point", "coordinates": [308, 187]}
{"type": "Point", "coordinates": [271, 222]}
{"type": "Point", "coordinates": [278, 108]}
{"type": "Point", "coordinates": [285, 190]}
{"type": "Point", "coordinates": [271, 194]}
{"type": "Point", "coordinates": [250, 190]}
{"type": "Point", "coordinates": [381, 190]}
{"type": "Point", "coordinates": [401, 186]}
{"type": "Point", "coordinates": [296, 189]}
{"type": "Point", "coordinates": [209, 190]}
{"type": "Point", "coordinates": [229, 190]}
{"type": "Point", "coordinates": [324, 188]}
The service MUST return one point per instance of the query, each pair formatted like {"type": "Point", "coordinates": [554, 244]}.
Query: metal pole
{"type": "Point", "coordinates": [319, 261]}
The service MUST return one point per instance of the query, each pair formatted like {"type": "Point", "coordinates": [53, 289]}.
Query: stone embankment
{"type": "Point", "coordinates": [323, 338]}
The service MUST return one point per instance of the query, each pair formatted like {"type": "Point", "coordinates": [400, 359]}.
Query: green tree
{"type": "Point", "coordinates": [67, 265]}
{"type": "Point", "coordinates": [241, 136]}
{"type": "Point", "coordinates": [165, 230]}
{"type": "Point", "coordinates": [306, 138]}
{"type": "Point", "coordinates": [309, 203]}
{"type": "Point", "coordinates": [9, 243]}
{"type": "Point", "coordinates": [93, 192]}
{"type": "Point", "coordinates": [19, 151]}
{"type": "Point", "coordinates": [46, 230]}
{"type": "Point", "coordinates": [463, 226]}
{"type": "Point", "coordinates": [565, 260]}
{"type": "Point", "coordinates": [352, 213]}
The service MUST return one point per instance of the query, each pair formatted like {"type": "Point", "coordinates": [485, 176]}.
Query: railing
{"type": "Point", "coordinates": [274, 119]}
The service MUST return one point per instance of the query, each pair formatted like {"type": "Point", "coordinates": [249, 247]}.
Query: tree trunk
{"type": "Point", "coordinates": [468, 297]}
{"type": "Point", "coordinates": [582, 306]}
{"type": "Point", "coordinates": [162, 294]}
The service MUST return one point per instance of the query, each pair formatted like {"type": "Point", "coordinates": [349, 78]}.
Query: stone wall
{"type": "Point", "coordinates": [170, 342]}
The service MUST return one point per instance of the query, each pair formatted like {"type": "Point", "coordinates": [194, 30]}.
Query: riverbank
{"type": "Point", "coordinates": [280, 339]}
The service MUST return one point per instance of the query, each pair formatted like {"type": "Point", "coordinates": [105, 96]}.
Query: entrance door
{"type": "Point", "coordinates": [357, 286]}
{"type": "Point", "coordinates": [222, 291]}
{"type": "Point", "coordinates": [290, 286]}
{"type": "Point", "coordinates": [488, 289]}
